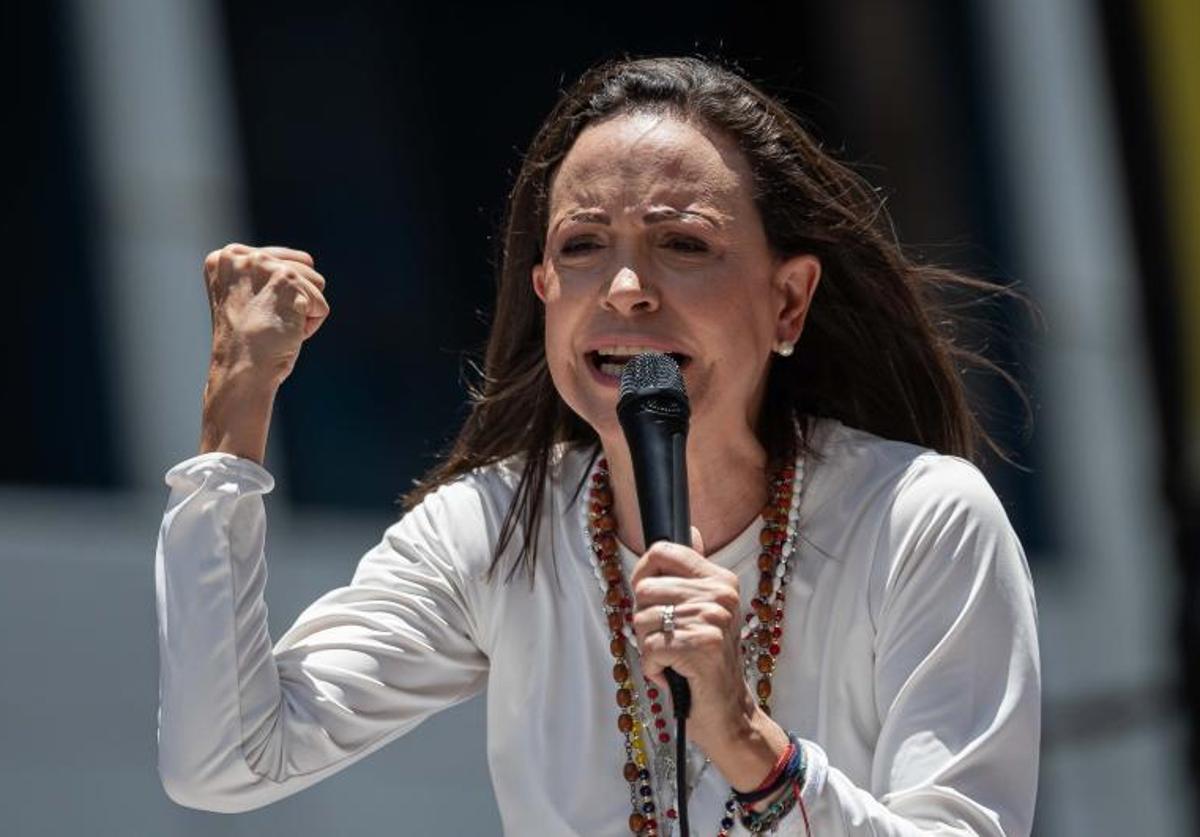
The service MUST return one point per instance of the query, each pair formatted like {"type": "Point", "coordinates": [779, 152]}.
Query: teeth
{"type": "Point", "coordinates": [620, 354]}
{"type": "Point", "coordinates": [626, 351]}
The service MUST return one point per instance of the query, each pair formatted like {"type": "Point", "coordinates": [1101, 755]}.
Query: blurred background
{"type": "Point", "coordinates": [1048, 144]}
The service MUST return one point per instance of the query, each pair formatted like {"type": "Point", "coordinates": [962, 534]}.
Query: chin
{"type": "Point", "coordinates": [597, 407]}
{"type": "Point", "coordinates": [602, 418]}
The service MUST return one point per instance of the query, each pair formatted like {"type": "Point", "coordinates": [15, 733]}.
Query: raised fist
{"type": "Point", "coordinates": [265, 302]}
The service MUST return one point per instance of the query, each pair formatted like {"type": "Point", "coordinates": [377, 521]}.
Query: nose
{"type": "Point", "coordinates": [627, 294]}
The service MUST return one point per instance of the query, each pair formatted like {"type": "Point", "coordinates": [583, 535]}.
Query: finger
{"type": "Point", "coordinates": [688, 652]}
{"type": "Point", "coordinates": [697, 541]}
{"type": "Point", "coordinates": [309, 299]}
{"type": "Point", "coordinates": [226, 256]}
{"type": "Point", "coordinates": [311, 324]}
{"type": "Point", "coordinates": [294, 295]}
{"type": "Point", "coordinates": [656, 656]}
{"type": "Point", "coordinates": [658, 679]}
{"type": "Point", "coordinates": [309, 281]}
{"type": "Point", "coordinates": [669, 589]}
{"type": "Point", "coordinates": [690, 621]}
{"type": "Point", "coordinates": [650, 620]}
{"type": "Point", "coordinates": [665, 558]}
{"type": "Point", "coordinates": [304, 269]}
{"type": "Point", "coordinates": [718, 606]}
{"type": "Point", "coordinates": [653, 672]}
{"type": "Point", "coordinates": [290, 254]}
{"type": "Point", "coordinates": [238, 249]}
{"type": "Point", "coordinates": [264, 263]}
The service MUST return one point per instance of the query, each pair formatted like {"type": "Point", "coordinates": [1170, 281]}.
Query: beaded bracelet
{"type": "Point", "coordinates": [794, 775]}
{"type": "Point", "coordinates": [756, 822]}
{"type": "Point", "coordinates": [780, 764]}
{"type": "Point", "coordinates": [779, 776]}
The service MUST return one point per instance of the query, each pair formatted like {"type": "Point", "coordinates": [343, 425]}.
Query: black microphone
{"type": "Point", "coordinates": [653, 410]}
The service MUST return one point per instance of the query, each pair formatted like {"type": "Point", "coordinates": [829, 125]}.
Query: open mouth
{"type": "Point", "coordinates": [611, 360]}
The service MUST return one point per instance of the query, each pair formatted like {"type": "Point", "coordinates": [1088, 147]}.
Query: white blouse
{"type": "Point", "coordinates": [909, 665]}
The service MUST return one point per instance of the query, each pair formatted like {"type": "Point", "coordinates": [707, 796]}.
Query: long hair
{"type": "Point", "coordinates": [877, 350]}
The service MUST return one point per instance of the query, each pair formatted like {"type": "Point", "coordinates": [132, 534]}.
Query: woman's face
{"type": "Point", "coordinates": [654, 242]}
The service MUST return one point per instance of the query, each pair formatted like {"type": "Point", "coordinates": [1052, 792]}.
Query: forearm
{"type": "Point", "coordinates": [236, 415]}
{"type": "Point", "coordinates": [215, 655]}
{"type": "Point", "coordinates": [753, 746]}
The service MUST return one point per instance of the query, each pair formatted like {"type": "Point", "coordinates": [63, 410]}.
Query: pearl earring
{"type": "Point", "coordinates": [784, 348]}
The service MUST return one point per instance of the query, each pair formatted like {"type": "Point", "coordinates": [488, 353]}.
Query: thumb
{"type": "Point", "coordinates": [697, 541]}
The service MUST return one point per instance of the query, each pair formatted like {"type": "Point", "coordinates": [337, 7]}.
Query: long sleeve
{"type": "Point", "coordinates": [956, 673]}
{"type": "Point", "coordinates": [242, 724]}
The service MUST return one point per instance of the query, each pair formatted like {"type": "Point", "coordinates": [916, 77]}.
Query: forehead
{"type": "Point", "coordinates": [637, 159]}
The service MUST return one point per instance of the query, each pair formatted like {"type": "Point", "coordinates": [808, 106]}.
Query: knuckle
{"type": "Point", "coordinates": [710, 640]}
{"type": "Point", "coordinates": [728, 600]}
{"type": "Point", "coordinates": [659, 549]}
{"type": "Point", "coordinates": [719, 617]}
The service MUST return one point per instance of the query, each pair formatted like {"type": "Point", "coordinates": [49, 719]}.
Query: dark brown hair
{"type": "Point", "coordinates": [877, 351]}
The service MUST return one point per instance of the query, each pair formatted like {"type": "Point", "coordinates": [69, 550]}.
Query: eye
{"type": "Point", "coordinates": [579, 246]}
{"type": "Point", "coordinates": [686, 244]}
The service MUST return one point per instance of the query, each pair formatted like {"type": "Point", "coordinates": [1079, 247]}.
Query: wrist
{"type": "Point", "coordinates": [236, 414]}
{"type": "Point", "coordinates": [752, 750]}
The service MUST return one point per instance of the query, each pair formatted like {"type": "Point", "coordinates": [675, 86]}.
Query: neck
{"type": "Point", "coordinates": [727, 486]}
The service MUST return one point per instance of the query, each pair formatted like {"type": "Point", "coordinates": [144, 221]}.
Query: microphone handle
{"type": "Point", "coordinates": [660, 450]}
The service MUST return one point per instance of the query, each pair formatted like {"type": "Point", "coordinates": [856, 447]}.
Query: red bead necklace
{"type": "Point", "coordinates": [761, 636]}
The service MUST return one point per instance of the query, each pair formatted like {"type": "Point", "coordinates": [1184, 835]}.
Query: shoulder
{"type": "Point", "coordinates": [922, 532]}
{"type": "Point", "coordinates": [466, 515]}
{"type": "Point", "coordinates": [904, 505]}
{"type": "Point", "coordinates": [900, 482]}
{"type": "Point", "coordinates": [492, 489]}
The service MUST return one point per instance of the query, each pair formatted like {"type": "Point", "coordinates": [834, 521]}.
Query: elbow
{"type": "Point", "coordinates": [192, 791]}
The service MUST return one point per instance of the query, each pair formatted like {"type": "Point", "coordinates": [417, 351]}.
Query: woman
{"type": "Point", "coordinates": [855, 616]}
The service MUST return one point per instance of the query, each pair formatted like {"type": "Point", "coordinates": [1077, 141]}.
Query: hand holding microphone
{"type": "Point", "coordinates": [701, 657]}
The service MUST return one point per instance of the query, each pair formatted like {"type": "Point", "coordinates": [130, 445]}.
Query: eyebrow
{"type": "Point", "coordinates": [593, 216]}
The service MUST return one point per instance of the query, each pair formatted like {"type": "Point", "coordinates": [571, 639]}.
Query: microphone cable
{"type": "Point", "coordinates": [681, 699]}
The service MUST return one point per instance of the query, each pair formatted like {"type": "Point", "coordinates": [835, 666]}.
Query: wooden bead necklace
{"type": "Point", "coordinates": [648, 745]}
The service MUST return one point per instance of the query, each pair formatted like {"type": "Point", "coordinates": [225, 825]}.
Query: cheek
{"type": "Point", "coordinates": [556, 326]}
{"type": "Point", "coordinates": [735, 328]}
{"type": "Point", "coordinates": [558, 345]}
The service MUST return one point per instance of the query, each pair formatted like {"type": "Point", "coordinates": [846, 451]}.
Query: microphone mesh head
{"type": "Point", "coordinates": [652, 373]}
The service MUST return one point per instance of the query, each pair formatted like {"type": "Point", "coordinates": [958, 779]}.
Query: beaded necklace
{"type": "Point", "coordinates": [648, 746]}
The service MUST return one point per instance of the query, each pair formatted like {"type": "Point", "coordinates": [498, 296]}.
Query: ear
{"type": "Point", "coordinates": [796, 281]}
{"type": "Point", "coordinates": [538, 274]}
